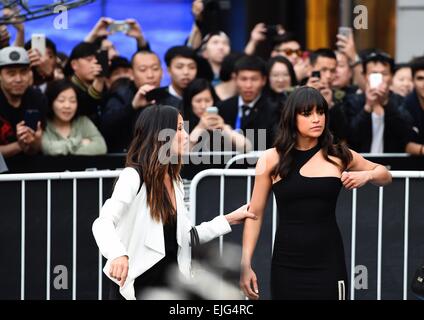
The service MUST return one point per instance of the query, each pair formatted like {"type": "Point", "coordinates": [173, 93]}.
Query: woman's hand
{"type": "Point", "coordinates": [238, 216]}
{"type": "Point", "coordinates": [119, 269]}
{"type": "Point", "coordinates": [211, 122]}
{"type": "Point", "coordinates": [356, 179]}
{"type": "Point", "coordinates": [249, 283]}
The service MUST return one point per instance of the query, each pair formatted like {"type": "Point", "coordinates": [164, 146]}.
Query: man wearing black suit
{"type": "Point", "coordinates": [249, 111]}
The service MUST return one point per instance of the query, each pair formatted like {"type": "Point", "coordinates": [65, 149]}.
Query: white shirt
{"type": "Point", "coordinates": [173, 92]}
{"type": "Point", "coordinates": [241, 103]}
{"type": "Point", "coordinates": [125, 228]}
{"type": "Point", "coordinates": [377, 143]}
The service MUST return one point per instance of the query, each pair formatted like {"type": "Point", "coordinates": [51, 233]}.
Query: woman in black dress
{"type": "Point", "coordinates": [306, 171]}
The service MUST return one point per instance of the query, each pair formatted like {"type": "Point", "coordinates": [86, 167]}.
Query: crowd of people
{"type": "Point", "coordinates": [86, 102]}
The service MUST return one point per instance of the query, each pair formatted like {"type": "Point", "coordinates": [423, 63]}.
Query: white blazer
{"type": "Point", "coordinates": [125, 227]}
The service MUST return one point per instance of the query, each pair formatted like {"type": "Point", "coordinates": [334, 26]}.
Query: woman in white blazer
{"type": "Point", "coordinates": [144, 228]}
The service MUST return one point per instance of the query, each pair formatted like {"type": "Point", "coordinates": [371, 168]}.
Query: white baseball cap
{"type": "Point", "coordinates": [13, 56]}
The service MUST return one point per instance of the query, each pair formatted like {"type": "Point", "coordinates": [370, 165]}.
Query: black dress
{"type": "Point", "coordinates": [156, 276]}
{"type": "Point", "coordinates": [308, 260]}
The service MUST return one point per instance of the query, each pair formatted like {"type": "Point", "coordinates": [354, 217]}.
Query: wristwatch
{"type": "Point", "coordinates": [355, 62]}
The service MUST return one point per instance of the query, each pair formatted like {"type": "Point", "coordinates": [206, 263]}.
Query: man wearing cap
{"type": "Point", "coordinates": [89, 82]}
{"type": "Point", "coordinates": [22, 107]}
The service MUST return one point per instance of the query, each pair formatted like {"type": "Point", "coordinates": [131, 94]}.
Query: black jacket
{"type": "Point", "coordinates": [360, 122]}
{"type": "Point", "coordinates": [415, 116]}
{"type": "Point", "coordinates": [262, 116]}
{"type": "Point", "coordinates": [118, 117]}
{"type": "Point", "coordinates": [168, 99]}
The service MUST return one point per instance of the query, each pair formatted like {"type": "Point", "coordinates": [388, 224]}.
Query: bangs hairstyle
{"type": "Point", "coordinates": [308, 101]}
{"type": "Point", "coordinates": [304, 100]}
{"type": "Point", "coordinates": [145, 154]}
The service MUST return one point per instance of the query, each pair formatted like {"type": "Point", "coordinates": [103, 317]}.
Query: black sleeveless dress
{"type": "Point", "coordinates": [308, 259]}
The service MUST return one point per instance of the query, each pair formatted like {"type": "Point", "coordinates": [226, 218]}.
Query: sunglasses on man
{"type": "Point", "coordinates": [289, 52]}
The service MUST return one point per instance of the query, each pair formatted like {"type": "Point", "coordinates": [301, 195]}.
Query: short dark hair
{"type": "Point", "coordinates": [417, 64]}
{"type": "Point", "coordinates": [118, 62]}
{"type": "Point", "coordinates": [251, 63]}
{"type": "Point", "coordinates": [228, 64]}
{"type": "Point", "coordinates": [54, 88]}
{"type": "Point", "coordinates": [380, 57]}
{"type": "Point", "coordinates": [179, 51]}
{"type": "Point", "coordinates": [284, 38]}
{"type": "Point", "coordinates": [143, 51]}
{"type": "Point", "coordinates": [49, 44]}
{"type": "Point", "coordinates": [324, 53]}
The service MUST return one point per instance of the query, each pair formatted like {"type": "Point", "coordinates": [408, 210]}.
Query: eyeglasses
{"type": "Point", "coordinates": [289, 52]}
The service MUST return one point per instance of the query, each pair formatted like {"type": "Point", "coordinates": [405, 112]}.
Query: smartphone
{"type": "Point", "coordinates": [38, 41]}
{"type": "Point", "coordinates": [212, 110]}
{"type": "Point", "coordinates": [375, 80]}
{"type": "Point", "coordinates": [103, 60]}
{"type": "Point", "coordinates": [31, 118]}
{"type": "Point", "coordinates": [157, 94]}
{"type": "Point", "coordinates": [316, 74]}
{"type": "Point", "coordinates": [119, 26]}
{"type": "Point", "coordinates": [345, 31]}
{"type": "Point", "coordinates": [271, 30]}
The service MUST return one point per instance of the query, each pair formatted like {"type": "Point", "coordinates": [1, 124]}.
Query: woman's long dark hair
{"type": "Point", "coordinates": [301, 100]}
{"type": "Point", "coordinates": [145, 154]}
{"type": "Point", "coordinates": [194, 88]}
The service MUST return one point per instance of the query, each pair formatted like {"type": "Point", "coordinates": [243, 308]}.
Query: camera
{"type": "Point", "coordinates": [103, 60]}
{"type": "Point", "coordinates": [271, 31]}
{"type": "Point", "coordinates": [316, 74]}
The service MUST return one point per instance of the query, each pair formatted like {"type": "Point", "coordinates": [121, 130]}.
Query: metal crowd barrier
{"type": "Point", "coordinates": [222, 173]}
{"type": "Point", "coordinates": [248, 173]}
{"type": "Point", "coordinates": [74, 176]}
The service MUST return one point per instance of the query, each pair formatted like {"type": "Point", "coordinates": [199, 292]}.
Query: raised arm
{"type": "Point", "coordinates": [263, 183]}
{"type": "Point", "coordinates": [361, 171]}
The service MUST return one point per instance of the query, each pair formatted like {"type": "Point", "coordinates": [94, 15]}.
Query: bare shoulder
{"type": "Point", "coordinates": [359, 163]}
{"type": "Point", "coordinates": [267, 161]}
{"type": "Point", "coordinates": [336, 160]}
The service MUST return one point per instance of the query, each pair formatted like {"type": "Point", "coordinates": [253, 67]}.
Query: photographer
{"type": "Point", "coordinates": [89, 81]}
{"type": "Point", "coordinates": [22, 107]}
{"type": "Point", "coordinates": [107, 26]}
{"type": "Point", "coordinates": [377, 124]}
{"type": "Point", "coordinates": [128, 99]}
{"type": "Point", "coordinates": [43, 66]}
{"type": "Point", "coordinates": [323, 74]}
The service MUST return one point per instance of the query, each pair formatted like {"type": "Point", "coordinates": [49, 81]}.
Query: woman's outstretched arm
{"type": "Point", "coordinates": [362, 171]}
{"type": "Point", "coordinates": [263, 183]}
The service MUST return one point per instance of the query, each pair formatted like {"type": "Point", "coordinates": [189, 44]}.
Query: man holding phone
{"type": "Point", "coordinates": [87, 76]}
{"type": "Point", "coordinates": [21, 106]}
{"type": "Point", "coordinates": [42, 54]}
{"type": "Point", "coordinates": [377, 124]}
{"type": "Point", "coordinates": [127, 101]}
